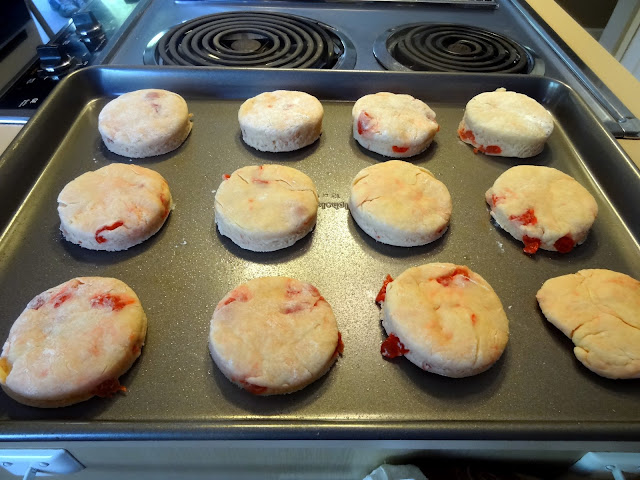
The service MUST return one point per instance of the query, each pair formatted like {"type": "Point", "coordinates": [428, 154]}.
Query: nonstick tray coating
{"type": "Point", "coordinates": [537, 390]}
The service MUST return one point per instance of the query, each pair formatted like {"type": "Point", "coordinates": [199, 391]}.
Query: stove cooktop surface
{"type": "Point", "coordinates": [353, 30]}
{"type": "Point", "coordinates": [364, 36]}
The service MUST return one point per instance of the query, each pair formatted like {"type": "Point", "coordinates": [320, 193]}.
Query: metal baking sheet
{"type": "Point", "coordinates": [536, 391]}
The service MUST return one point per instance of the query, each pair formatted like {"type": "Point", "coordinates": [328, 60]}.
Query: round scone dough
{"type": "Point", "coordinates": [400, 204]}
{"type": "Point", "coordinates": [505, 124]}
{"type": "Point", "coordinates": [599, 310]}
{"type": "Point", "coordinates": [281, 121]}
{"type": "Point", "coordinates": [114, 208]}
{"type": "Point", "coordinates": [445, 319]}
{"type": "Point", "coordinates": [73, 342]}
{"type": "Point", "coordinates": [542, 207]}
{"type": "Point", "coordinates": [266, 208]}
{"type": "Point", "coordinates": [274, 335]}
{"type": "Point", "coordinates": [144, 123]}
{"type": "Point", "coordinates": [393, 125]}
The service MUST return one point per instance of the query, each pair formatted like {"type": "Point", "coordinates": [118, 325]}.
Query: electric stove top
{"type": "Point", "coordinates": [462, 36]}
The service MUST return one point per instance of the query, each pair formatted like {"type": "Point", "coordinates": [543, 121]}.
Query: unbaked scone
{"type": "Point", "coordinates": [144, 123]}
{"type": "Point", "coordinates": [400, 204]}
{"type": "Point", "coordinates": [114, 208]}
{"type": "Point", "coordinates": [274, 335]}
{"type": "Point", "coordinates": [266, 208]}
{"type": "Point", "coordinates": [444, 318]}
{"type": "Point", "coordinates": [599, 310]}
{"type": "Point", "coordinates": [281, 121]}
{"type": "Point", "coordinates": [543, 207]}
{"type": "Point", "coordinates": [505, 124]}
{"type": "Point", "coordinates": [72, 342]}
{"type": "Point", "coordinates": [393, 125]}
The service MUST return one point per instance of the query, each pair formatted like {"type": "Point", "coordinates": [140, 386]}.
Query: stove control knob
{"type": "Point", "coordinates": [54, 62]}
{"type": "Point", "coordinates": [50, 56]}
{"type": "Point", "coordinates": [89, 30]}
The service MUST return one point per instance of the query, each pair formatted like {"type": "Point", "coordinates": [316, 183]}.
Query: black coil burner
{"type": "Point", "coordinates": [441, 47]}
{"type": "Point", "coordinates": [252, 39]}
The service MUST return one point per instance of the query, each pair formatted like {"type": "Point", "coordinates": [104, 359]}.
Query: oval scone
{"type": "Point", "coordinates": [266, 208]}
{"type": "Point", "coordinates": [505, 124]}
{"type": "Point", "coordinates": [145, 123]}
{"type": "Point", "coordinates": [72, 342]}
{"type": "Point", "coordinates": [281, 121]}
{"type": "Point", "coordinates": [114, 208]}
{"type": "Point", "coordinates": [393, 125]}
{"type": "Point", "coordinates": [444, 318]}
{"type": "Point", "coordinates": [274, 335]}
{"type": "Point", "coordinates": [599, 310]}
{"type": "Point", "coordinates": [400, 204]}
{"type": "Point", "coordinates": [543, 207]}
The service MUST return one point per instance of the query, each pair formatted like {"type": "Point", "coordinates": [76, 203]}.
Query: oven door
{"type": "Point", "coordinates": [18, 40]}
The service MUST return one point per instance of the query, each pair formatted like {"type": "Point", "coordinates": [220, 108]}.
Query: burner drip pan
{"type": "Point", "coordinates": [452, 48]}
{"type": "Point", "coordinates": [252, 39]}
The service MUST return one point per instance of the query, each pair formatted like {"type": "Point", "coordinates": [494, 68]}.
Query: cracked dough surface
{"type": "Point", "coordinates": [393, 125]}
{"type": "Point", "coordinates": [281, 121]}
{"type": "Point", "coordinates": [400, 204]}
{"type": "Point", "coordinates": [599, 310]}
{"type": "Point", "coordinates": [545, 205]}
{"type": "Point", "coordinates": [448, 317]}
{"type": "Point", "coordinates": [70, 339]}
{"type": "Point", "coordinates": [114, 208]}
{"type": "Point", "coordinates": [267, 207]}
{"type": "Point", "coordinates": [145, 123]}
{"type": "Point", "coordinates": [273, 335]}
